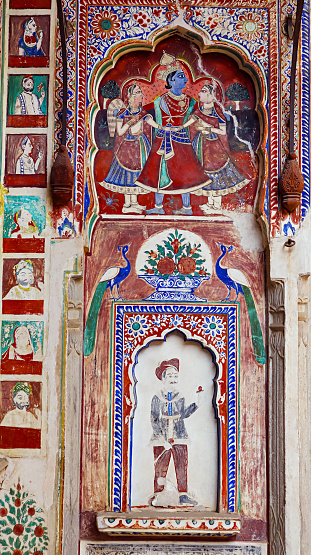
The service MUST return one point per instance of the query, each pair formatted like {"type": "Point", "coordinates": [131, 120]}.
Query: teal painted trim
{"type": "Point", "coordinates": [164, 177]}
{"type": "Point", "coordinates": [62, 416]}
{"type": "Point", "coordinates": [189, 111]}
{"type": "Point", "coordinates": [92, 221]}
{"type": "Point", "coordinates": [199, 153]}
{"type": "Point", "coordinates": [143, 151]}
{"type": "Point", "coordinates": [157, 109]}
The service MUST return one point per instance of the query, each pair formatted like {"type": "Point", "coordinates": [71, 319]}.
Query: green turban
{"type": "Point", "coordinates": [20, 386]}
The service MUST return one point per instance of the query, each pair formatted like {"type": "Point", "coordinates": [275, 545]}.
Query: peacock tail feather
{"type": "Point", "coordinates": [257, 339]}
{"type": "Point", "coordinates": [92, 318]}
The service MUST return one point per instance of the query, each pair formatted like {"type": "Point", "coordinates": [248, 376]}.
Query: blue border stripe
{"type": "Point", "coordinates": [305, 106]}
{"type": "Point", "coordinates": [118, 413]}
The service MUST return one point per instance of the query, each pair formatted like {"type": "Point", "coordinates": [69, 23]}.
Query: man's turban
{"type": "Point", "coordinates": [22, 386]}
{"type": "Point", "coordinates": [173, 362]}
{"type": "Point", "coordinates": [21, 265]}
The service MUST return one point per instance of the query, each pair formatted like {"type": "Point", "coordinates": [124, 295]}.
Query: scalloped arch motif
{"type": "Point", "coordinates": [155, 322]}
{"type": "Point", "coordinates": [205, 21]}
{"type": "Point", "coordinates": [103, 68]}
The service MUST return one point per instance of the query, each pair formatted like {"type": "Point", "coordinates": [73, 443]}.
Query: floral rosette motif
{"type": "Point", "coordinates": [138, 327]}
{"type": "Point", "coordinates": [250, 26]}
{"type": "Point", "coordinates": [106, 24]}
{"type": "Point", "coordinates": [175, 257]}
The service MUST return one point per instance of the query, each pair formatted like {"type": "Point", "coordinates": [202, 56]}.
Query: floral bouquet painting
{"type": "Point", "coordinates": [175, 267]}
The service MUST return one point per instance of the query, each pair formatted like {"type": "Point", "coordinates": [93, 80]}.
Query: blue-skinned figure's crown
{"type": "Point", "coordinates": [171, 65]}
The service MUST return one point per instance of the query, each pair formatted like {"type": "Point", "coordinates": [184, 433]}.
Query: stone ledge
{"type": "Point", "coordinates": [225, 526]}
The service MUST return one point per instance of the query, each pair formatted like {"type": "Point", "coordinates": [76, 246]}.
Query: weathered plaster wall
{"type": "Point", "coordinates": [70, 248]}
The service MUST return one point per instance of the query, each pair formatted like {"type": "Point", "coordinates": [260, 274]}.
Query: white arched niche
{"type": "Point", "coordinates": [196, 368]}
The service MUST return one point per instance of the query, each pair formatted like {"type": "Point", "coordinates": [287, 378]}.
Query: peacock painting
{"type": "Point", "coordinates": [236, 280]}
{"type": "Point", "coordinates": [111, 278]}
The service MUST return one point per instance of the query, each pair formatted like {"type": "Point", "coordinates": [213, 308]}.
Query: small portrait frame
{"type": "Point", "coordinates": [23, 286]}
{"type": "Point", "coordinates": [29, 41]}
{"type": "Point", "coordinates": [32, 112]}
{"type": "Point", "coordinates": [20, 430]}
{"type": "Point", "coordinates": [26, 160]}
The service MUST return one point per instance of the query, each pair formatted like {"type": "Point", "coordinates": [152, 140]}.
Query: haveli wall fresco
{"type": "Point", "coordinates": [26, 74]}
{"type": "Point", "coordinates": [198, 156]}
{"type": "Point", "coordinates": [163, 178]}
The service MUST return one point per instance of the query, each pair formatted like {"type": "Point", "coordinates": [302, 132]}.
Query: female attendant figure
{"type": "Point", "coordinates": [22, 348]}
{"type": "Point", "coordinates": [25, 226]}
{"type": "Point", "coordinates": [209, 140]}
{"type": "Point", "coordinates": [30, 43]}
{"type": "Point", "coordinates": [25, 164]}
{"type": "Point", "coordinates": [132, 147]}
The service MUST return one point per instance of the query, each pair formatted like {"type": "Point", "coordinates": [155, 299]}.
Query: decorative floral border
{"type": "Point", "coordinates": [139, 548]}
{"type": "Point", "coordinates": [69, 9]}
{"type": "Point", "coordinates": [194, 527]}
{"type": "Point", "coordinates": [215, 326]}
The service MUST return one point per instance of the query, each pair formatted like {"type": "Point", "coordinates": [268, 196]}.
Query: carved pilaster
{"type": "Point", "coordinates": [276, 419]}
{"type": "Point", "coordinates": [73, 390]}
{"type": "Point", "coordinates": [304, 409]}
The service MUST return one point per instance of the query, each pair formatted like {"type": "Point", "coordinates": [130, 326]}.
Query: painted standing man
{"type": "Point", "coordinates": [172, 165]}
{"type": "Point", "coordinates": [169, 438]}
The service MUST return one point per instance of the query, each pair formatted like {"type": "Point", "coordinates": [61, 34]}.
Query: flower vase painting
{"type": "Point", "coordinates": [176, 263]}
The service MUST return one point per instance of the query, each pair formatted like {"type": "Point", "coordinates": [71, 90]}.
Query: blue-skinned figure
{"type": "Point", "coordinates": [172, 166]}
